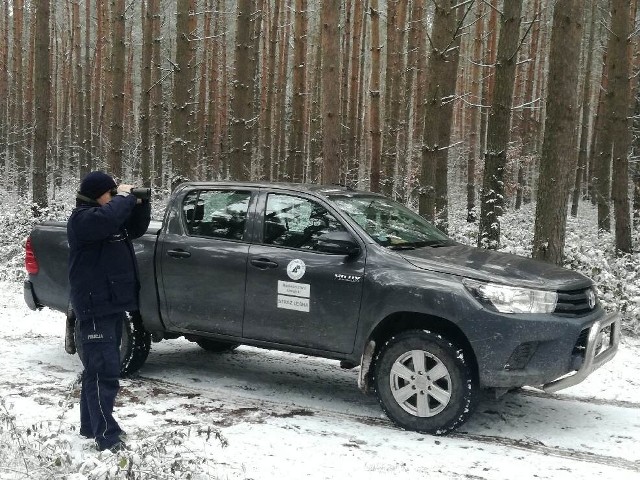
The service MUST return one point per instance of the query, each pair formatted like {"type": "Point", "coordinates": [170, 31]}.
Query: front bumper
{"type": "Point", "coordinates": [602, 344]}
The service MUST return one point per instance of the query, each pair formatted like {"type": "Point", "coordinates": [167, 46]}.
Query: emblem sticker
{"type": "Point", "coordinates": [296, 269]}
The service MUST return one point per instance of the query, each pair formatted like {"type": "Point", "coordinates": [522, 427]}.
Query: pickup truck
{"type": "Point", "coordinates": [351, 276]}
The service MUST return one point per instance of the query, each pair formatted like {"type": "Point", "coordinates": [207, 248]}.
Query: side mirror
{"type": "Point", "coordinates": [338, 243]}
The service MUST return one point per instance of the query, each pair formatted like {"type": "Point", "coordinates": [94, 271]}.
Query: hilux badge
{"type": "Point", "coordinates": [296, 269]}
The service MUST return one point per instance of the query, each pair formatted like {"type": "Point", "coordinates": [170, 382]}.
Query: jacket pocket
{"type": "Point", "coordinates": [122, 288]}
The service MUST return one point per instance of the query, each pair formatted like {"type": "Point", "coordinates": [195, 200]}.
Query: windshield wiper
{"type": "Point", "coordinates": [437, 244]}
{"type": "Point", "coordinates": [401, 247]}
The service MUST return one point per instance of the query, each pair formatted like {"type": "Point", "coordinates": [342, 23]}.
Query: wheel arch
{"type": "Point", "coordinates": [398, 322]}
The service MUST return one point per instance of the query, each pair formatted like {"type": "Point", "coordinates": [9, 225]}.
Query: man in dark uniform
{"type": "Point", "coordinates": [103, 279]}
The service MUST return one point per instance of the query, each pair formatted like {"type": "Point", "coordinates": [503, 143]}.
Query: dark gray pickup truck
{"type": "Point", "coordinates": [355, 277]}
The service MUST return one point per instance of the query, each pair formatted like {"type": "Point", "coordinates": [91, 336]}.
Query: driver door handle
{"type": "Point", "coordinates": [178, 253]}
{"type": "Point", "coordinates": [263, 263]}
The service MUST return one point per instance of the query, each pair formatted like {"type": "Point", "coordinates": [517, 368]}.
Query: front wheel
{"type": "Point", "coordinates": [134, 346]}
{"type": "Point", "coordinates": [424, 383]}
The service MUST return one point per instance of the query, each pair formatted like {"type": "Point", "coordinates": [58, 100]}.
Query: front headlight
{"type": "Point", "coordinates": [505, 299]}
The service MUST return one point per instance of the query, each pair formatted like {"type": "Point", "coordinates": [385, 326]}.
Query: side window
{"type": "Point", "coordinates": [216, 213]}
{"type": "Point", "coordinates": [296, 222]}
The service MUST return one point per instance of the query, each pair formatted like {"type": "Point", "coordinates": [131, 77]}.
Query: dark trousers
{"type": "Point", "coordinates": [100, 337]}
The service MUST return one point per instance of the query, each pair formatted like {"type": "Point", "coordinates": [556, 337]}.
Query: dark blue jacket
{"type": "Point", "coordinates": [103, 273]}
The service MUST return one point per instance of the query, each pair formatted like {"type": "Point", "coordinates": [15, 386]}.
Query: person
{"type": "Point", "coordinates": [103, 280]}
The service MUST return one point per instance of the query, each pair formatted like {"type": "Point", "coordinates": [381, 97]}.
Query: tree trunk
{"type": "Point", "coordinates": [281, 94]}
{"type": "Point", "coordinates": [184, 78]}
{"type": "Point", "coordinates": [488, 73]}
{"type": "Point", "coordinates": [355, 92]}
{"type": "Point", "coordinates": [242, 103]}
{"type": "Point", "coordinates": [42, 102]}
{"type": "Point", "coordinates": [77, 116]}
{"type": "Point", "coordinates": [16, 113]}
{"type": "Point", "coordinates": [145, 92]}
{"type": "Point", "coordinates": [4, 91]}
{"type": "Point", "coordinates": [559, 155]}
{"type": "Point", "coordinates": [438, 109]}
{"type": "Point", "coordinates": [493, 191]}
{"type": "Point", "coordinates": [475, 111]}
{"type": "Point", "coordinates": [158, 111]}
{"type": "Point", "coordinates": [374, 93]}
{"type": "Point", "coordinates": [612, 145]}
{"type": "Point", "coordinates": [581, 175]}
{"type": "Point", "coordinates": [619, 96]}
{"type": "Point", "coordinates": [117, 88]}
{"type": "Point", "coordinates": [330, 18]}
{"type": "Point", "coordinates": [268, 121]}
{"type": "Point", "coordinates": [295, 158]}
{"type": "Point", "coordinates": [86, 164]}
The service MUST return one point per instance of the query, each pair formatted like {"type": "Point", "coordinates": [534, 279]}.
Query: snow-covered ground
{"type": "Point", "coordinates": [258, 414]}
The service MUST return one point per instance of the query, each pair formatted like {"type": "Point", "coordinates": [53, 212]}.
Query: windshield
{"type": "Point", "coordinates": [389, 223]}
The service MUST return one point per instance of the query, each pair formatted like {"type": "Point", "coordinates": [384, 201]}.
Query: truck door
{"type": "Point", "coordinates": [295, 294]}
{"type": "Point", "coordinates": [203, 261]}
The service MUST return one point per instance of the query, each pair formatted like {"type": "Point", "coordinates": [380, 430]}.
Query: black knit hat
{"type": "Point", "coordinates": [95, 184]}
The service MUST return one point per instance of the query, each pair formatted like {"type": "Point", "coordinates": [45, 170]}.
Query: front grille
{"type": "Point", "coordinates": [574, 302]}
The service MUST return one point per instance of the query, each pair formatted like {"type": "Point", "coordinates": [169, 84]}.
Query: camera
{"type": "Point", "coordinates": [143, 193]}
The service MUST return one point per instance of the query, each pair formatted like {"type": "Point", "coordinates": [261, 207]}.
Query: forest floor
{"type": "Point", "coordinates": [258, 414]}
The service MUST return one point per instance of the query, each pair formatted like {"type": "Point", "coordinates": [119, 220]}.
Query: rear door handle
{"type": "Point", "coordinates": [263, 263]}
{"type": "Point", "coordinates": [178, 253]}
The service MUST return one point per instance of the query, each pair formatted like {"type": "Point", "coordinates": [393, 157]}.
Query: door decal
{"type": "Point", "coordinates": [296, 269]}
{"type": "Point", "coordinates": [294, 296]}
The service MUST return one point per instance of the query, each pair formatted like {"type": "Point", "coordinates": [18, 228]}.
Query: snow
{"type": "Point", "coordinates": [288, 416]}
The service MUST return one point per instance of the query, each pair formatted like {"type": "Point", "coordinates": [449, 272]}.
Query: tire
{"type": "Point", "coordinates": [216, 346]}
{"type": "Point", "coordinates": [434, 398]}
{"type": "Point", "coordinates": [134, 346]}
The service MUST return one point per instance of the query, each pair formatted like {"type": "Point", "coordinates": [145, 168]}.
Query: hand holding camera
{"type": "Point", "coordinates": [141, 193]}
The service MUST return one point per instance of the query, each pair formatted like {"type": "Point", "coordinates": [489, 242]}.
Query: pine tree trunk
{"type": "Point", "coordinates": [4, 91]}
{"type": "Point", "coordinates": [242, 103]}
{"type": "Point", "coordinates": [158, 111]}
{"type": "Point", "coordinates": [619, 96]}
{"type": "Point", "coordinates": [295, 158]}
{"type": "Point", "coordinates": [281, 94]}
{"type": "Point", "coordinates": [86, 160]}
{"type": "Point", "coordinates": [42, 104]}
{"type": "Point", "coordinates": [16, 114]}
{"type": "Point", "coordinates": [559, 152]}
{"type": "Point", "coordinates": [145, 92]}
{"type": "Point", "coordinates": [493, 191]}
{"type": "Point", "coordinates": [488, 73]}
{"type": "Point", "coordinates": [474, 113]}
{"type": "Point", "coordinates": [268, 120]}
{"type": "Point", "coordinates": [374, 92]}
{"type": "Point", "coordinates": [78, 77]}
{"type": "Point", "coordinates": [330, 18]}
{"type": "Point", "coordinates": [351, 116]}
{"type": "Point", "coordinates": [443, 67]}
{"type": "Point", "coordinates": [184, 75]}
{"type": "Point", "coordinates": [346, 37]}
{"type": "Point", "coordinates": [587, 94]}
{"type": "Point", "coordinates": [117, 89]}
{"type": "Point", "coordinates": [98, 81]}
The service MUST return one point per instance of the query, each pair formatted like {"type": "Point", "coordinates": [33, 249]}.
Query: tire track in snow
{"type": "Point", "coordinates": [574, 398]}
{"type": "Point", "coordinates": [280, 409]}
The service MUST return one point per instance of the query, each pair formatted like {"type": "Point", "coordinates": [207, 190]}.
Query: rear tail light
{"type": "Point", "coordinates": [30, 261]}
